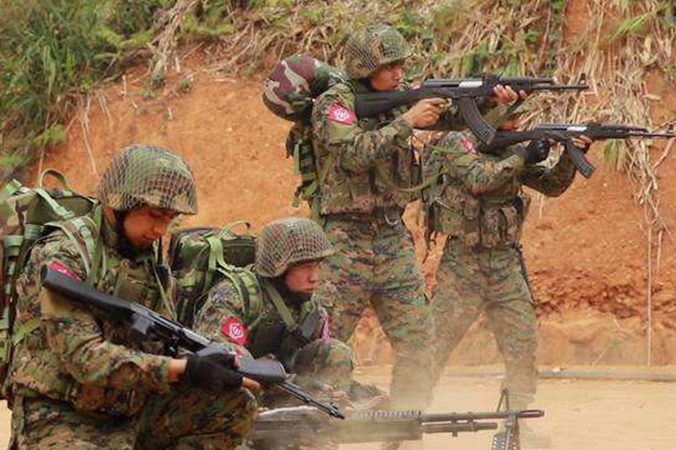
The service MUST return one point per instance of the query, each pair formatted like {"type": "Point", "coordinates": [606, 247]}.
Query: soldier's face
{"type": "Point", "coordinates": [302, 278]}
{"type": "Point", "coordinates": [388, 77]}
{"type": "Point", "coordinates": [144, 225]}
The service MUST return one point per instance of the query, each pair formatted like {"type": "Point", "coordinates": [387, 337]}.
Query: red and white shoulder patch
{"type": "Point", "coordinates": [235, 330]}
{"type": "Point", "coordinates": [61, 268]}
{"type": "Point", "coordinates": [340, 114]}
{"type": "Point", "coordinates": [469, 146]}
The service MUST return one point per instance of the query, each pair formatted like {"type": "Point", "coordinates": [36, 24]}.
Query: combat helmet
{"type": "Point", "coordinates": [372, 47]}
{"type": "Point", "coordinates": [143, 174]}
{"type": "Point", "coordinates": [287, 241]}
{"type": "Point", "coordinates": [295, 82]}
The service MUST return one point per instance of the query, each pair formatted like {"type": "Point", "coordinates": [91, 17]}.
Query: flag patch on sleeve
{"type": "Point", "coordinates": [341, 114]}
{"type": "Point", "coordinates": [235, 330]}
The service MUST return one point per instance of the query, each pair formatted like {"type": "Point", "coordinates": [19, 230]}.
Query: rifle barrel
{"type": "Point", "coordinates": [492, 415]}
{"type": "Point", "coordinates": [463, 427]}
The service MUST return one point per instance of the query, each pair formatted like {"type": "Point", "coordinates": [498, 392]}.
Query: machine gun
{"type": "Point", "coordinates": [464, 93]}
{"type": "Point", "coordinates": [144, 324]}
{"type": "Point", "coordinates": [305, 426]}
{"type": "Point", "coordinates": [565, 133]}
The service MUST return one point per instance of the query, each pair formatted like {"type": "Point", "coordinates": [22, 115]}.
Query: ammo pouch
{"type": "Point", "coordinates": [277, 338]}
{"type": "Point", "coordinates": [107, 401]}
{"type": "Point", "coordinates": [500, 222]}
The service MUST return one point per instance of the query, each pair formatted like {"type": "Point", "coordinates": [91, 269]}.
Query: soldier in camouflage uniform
{"type": "Point", "coordinates": [481, 206]}
{"type": "Point", "coordinates": [367, 169]}
{"type": "Point", "coordinates": [281, 318]}
{"type": "Point", "coordinates": [81, 383]}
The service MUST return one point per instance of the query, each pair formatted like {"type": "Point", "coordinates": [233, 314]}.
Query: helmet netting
{"type": "Point", "coordinates": [287, 241]}
{"type": "Point", "coordinates": [148, 175]}
{"type": "Point", "coordinates": [372, 47]}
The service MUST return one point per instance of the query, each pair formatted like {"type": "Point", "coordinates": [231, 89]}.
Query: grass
{"type": "Point", "coordinates": [54, 52]}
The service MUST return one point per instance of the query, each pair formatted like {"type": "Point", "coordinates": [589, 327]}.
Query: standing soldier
{"type": "Point", "coordinates": [482, 206]}
{"type": "Point", "coordinates": [268, 309]}
{"type": "Point", "coordinates": [81, 383]}
{"type": "Point", "coordinates": [367, 169]}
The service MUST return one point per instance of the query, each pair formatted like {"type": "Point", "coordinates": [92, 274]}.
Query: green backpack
{"type": "Point", "coordinates": [201, 257]}
{"type": "Point", "coordinates": [26, 215]}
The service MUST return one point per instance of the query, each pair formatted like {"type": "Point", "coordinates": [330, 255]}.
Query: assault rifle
{"type": "Point", "coordinates": [305, 426]}
{"type": "Point", "coordinates": [565, 133]}
{"type": "Point", "coordinates": [144, 324]}
{"type": "Point", "coordinates": [464, 93]}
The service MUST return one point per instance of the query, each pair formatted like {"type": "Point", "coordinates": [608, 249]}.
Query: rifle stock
{"type": "Point", "coordinates": [145, 324]}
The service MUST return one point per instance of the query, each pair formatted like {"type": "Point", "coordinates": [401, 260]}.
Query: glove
{"type": "Point", "coordinates": [535, 152]}
{"type": "Point", "coordinates": [212, 368]}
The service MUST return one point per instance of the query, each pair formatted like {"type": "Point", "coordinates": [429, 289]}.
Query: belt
{"type": "Point", "coordinates": [389, 216]}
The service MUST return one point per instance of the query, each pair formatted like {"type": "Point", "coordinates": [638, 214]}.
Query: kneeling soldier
{"type": "Point", "coordinates": [276, 315]}
{"type": "Point", "coordinates": [81, 383]}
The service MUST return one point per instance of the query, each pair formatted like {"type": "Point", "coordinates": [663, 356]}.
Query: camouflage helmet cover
{"type": "Point", "coordinates": [286, 241]}
{"type": "Point", "coordinates": [143, 174]}
{"type": "Point", "coordinates": [294, 83]}
{"type": "Point", "coordinates": [372, 47]}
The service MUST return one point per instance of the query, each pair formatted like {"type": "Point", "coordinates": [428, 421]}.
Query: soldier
{"type": "Point", "coordinates": [277, 316]}
{"type": "Point", "coordinates": [367, 170]}
{"type": "Point", "coordinates": [482, 206]}
{"type": "Point", "coordinates": [81, 383]}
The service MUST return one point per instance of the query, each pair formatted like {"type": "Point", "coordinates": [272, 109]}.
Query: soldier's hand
{"type": "Point", "coordinates": [250, 384]}
{"type": "Point", "coordinates": [536, 151]}
{"type": "Point", "coordinates": [425, 113]}
{"type": "Point", "coordinates": [213, 370]}
{"type": "Point", "coordinates": [583, 143]}
{"type": "Point", "coordinates": [505, 95]}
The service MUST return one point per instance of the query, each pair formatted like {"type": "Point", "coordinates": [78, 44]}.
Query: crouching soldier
{"type": "Point", "coordinates": [81, 383]}
{"type": "Point", "coordinates": [268, 310]}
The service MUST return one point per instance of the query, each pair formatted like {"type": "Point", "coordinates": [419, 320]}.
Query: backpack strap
{"type": "Point", "coordinates": [59, 176]}
{"type": "Point", "coordinates": [9, 190]}
{"type": "Point", "coordinates": [248, 288]}
{"type": "Point", "coordinates": [215, 259]}
{"type": "Point", "coordinates": [280, 306]}
{"type": "Point", "coordinates": [84, 232]}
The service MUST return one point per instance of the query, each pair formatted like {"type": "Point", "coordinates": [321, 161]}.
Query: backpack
{"type": "Point", "coordinates": [201, 257]}
{"type": "Point", "coordinates": [289, 93]}
{"type": "Point", "coordinates": [26, 215]}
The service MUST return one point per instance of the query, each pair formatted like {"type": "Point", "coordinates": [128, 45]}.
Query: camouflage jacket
{"type": "Point", "coordinates": [479, 197]}
{"type": "Point", "coordinates": [364, 164]}
{"type": "Point", "coordinates": [73, 356]}
{"type": "Point", "coordinates": [230, 319]}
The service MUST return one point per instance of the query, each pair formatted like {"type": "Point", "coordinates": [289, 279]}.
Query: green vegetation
{"type": "Point", "coordinates": [54, 51]}
{"type": "Point", "coordinates": [51, 51]}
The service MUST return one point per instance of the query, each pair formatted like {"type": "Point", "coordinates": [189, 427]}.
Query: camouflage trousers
{"type": "Point", "coordinates": [492, 280]}
{"type": "Point", "coordinates": [327, 361]}
{"type": "Point", "coordinates": [374, 265]}
{"type": "Point", "coordinates": [186, 418]}
{"type": "Point", "coordinates": [321, 362]}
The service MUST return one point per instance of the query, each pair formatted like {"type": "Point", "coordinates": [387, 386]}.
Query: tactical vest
{"type": "Point", "coordinates": [387, 185]}
{"type": "Point", "coordinates": [273, 327]}
{"type": "Point", "coordinates": [37, 370]}
{"type": "Point", "coordinates": [493, 219]}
